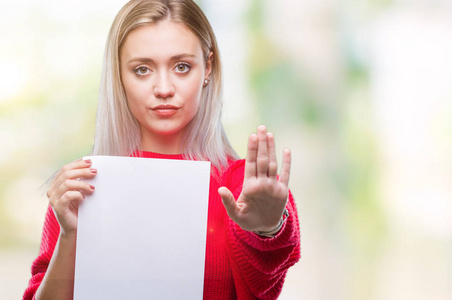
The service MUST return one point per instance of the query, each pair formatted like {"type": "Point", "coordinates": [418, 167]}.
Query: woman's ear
{"type": "Point", "coordinates": [209, 63]}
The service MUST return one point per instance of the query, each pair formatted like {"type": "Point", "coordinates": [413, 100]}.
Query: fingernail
{"type": "Point", "coordinates": [88, 161]}
{"type": "Point", "coordinates": [92, 187]}
{"type": "Point", "coordinates": [94, 171]}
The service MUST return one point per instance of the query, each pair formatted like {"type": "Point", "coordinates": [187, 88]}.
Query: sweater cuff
{"type": "Point", "coordinates": [288, 235]}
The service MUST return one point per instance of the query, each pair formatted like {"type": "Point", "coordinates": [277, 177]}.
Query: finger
{"type": "Point", "coordinates": [86, 173]}
{"type": "Point", "coordinates": [229, 202]}
{"type": "Point", "coordinates": [262, 154]}
{"type": "Point", "coordinates": [272, 162]}
{"type": "Point", "coordinates": [73, 174]}
{"type": "Point", "coordinates": [76, 164]}
{"type": "Point", "coordinates": [251, 155]}
{"type": "Point", "coordinates": [285, 169]}
{"type": "Point", "coordinates": [73, 185]}
{"type": "Point", "coordinates": [63, 202]}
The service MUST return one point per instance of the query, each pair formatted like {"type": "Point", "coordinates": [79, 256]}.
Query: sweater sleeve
{"type": "Point", "coordinates": [39, 267]}
{"type": "Point", "coordinates": [259, 263]}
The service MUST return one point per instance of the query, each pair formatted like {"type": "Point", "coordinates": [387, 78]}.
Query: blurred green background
{"type": "Point", "coordinates": [359, 90]}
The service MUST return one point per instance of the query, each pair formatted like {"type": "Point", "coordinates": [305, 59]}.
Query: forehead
{"type": "Point", "coordinates": [164, 39]}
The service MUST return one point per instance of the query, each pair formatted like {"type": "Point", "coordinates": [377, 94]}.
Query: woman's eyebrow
{"type": "Point", "coordinates": [184, 55]}
{"type": "Point", "coordinates": [140, 59]}
{"type": "Point", "coordinates": [150, 60]}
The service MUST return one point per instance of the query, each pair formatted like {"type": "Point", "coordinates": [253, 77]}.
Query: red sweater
{"type": "Point", "coordinates": [239, 264]}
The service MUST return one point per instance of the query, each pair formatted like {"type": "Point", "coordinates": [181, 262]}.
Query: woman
{"type": "Point", "coordinates": [160, 98]}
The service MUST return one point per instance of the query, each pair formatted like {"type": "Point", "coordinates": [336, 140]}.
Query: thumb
{"type": "Point", "coordinates": [228, 202]}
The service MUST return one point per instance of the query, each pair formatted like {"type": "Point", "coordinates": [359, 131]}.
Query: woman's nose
{"type": "Point", "coordinates": [163, 86]}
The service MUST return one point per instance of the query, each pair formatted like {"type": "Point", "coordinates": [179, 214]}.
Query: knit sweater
{"type": "Point", "coordinates": [239, 264]}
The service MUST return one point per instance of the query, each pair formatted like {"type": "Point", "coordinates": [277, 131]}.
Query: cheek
{"type": "Point", "coordinates": [192, 92]}
{"type": "Point", "coordinates": [135, 92]}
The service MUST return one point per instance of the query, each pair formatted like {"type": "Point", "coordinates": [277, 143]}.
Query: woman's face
{"type": "Point", "coordinates": [163, 71]}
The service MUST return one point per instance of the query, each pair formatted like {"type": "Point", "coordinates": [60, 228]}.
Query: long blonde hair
{"type": "Point", "coordinates": [117, 130]}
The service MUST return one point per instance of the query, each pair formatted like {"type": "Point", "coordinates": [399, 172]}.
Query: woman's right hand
{"type": "Point", "coordinates": [66, 192]}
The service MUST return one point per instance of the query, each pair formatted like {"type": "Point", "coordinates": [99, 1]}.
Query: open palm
{"type": "Point", "coordinates": [264, 196]}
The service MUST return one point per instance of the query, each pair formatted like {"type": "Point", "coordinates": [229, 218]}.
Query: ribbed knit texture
{"type": "Point", "coordinates": [239, 264]}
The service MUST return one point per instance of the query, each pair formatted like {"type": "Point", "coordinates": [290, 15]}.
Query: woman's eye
{"type": "Point", "coordinates": [182, 68]}
{"type": "Point", "coordinates": [141, 71]}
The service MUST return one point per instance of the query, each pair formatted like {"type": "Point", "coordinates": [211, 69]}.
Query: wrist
{"type": "Point", "coordinates": [274, 231]}
{"type": "Point", "coordinates": [68, 236]}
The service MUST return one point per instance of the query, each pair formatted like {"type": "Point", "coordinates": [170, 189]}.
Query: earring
{"type": "Point", "coordinates": [206, 81]}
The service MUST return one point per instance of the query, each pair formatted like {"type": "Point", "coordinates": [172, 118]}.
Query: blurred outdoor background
{"type": "Point", "coordinates": [361, 91]}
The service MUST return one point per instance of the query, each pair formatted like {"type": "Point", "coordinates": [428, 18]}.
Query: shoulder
{"type": "Point", "coordinates": [234, 166]}
{"type": "Point", "coordinates": [233, 173]}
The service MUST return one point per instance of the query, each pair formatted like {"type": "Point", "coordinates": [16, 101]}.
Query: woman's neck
{"type": "Point", "coordinates": [165, 144]}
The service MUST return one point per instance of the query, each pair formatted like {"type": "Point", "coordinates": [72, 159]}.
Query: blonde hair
{"type": "Point", "coordinates": [117, 130]}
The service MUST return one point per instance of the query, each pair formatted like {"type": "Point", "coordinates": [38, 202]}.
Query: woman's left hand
{"type": "Point", "coordinates": [263, 198]}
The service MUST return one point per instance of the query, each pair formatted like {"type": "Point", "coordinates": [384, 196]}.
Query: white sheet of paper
{"type": "Point", "coordinates": [142, 233]}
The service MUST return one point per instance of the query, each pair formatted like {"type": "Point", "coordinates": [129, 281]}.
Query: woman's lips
{"type": "Point", "coordinates": [164, 110]}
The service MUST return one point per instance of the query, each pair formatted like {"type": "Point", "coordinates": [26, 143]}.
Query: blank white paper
{"type": "Point", "coordinates": [142, 233]}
